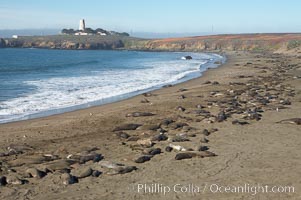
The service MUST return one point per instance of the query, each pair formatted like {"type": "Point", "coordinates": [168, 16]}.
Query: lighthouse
{"type": "Point", "coordinates": [82, 26]}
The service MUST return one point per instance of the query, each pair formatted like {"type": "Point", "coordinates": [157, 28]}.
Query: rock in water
{"type": "Point", "coordinates": [186, 58]}
{"type": "Point", "coordinates": [127, 127]}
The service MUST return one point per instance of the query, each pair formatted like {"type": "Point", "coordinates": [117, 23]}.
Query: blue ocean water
{"type": "Point", "coordinates": [39, 82]}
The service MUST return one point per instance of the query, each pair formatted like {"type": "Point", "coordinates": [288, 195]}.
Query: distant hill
{"type": "Point", "coordinates": [28, 32]}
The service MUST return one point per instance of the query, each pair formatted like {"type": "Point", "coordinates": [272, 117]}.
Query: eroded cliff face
{"type": "Point", "coordinates": [248, 42]}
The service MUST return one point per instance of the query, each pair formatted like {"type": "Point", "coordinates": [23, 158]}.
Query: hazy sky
{"type": "Point", "coordinates": [232, 16]}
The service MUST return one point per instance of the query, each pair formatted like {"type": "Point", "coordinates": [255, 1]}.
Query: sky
{"type": "Point", "coordinates": [157, 16]}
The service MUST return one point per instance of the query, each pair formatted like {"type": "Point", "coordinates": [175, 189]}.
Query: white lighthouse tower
{"type": "Point", "coordinates": [82, 25]}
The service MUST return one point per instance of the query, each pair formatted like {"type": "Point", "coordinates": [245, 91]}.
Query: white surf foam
{"type": "Point", "coordinates": [56, 93]}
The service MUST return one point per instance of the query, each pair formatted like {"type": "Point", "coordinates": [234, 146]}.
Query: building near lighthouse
{"type": "Point", "coordinates": [82, 25]}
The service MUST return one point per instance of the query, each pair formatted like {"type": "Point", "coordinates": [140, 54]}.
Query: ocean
{"type": "Point", "coordinates": [41, 82]}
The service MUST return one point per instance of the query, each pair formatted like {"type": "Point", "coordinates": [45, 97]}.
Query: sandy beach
{"type": "Point", "coordinates": [221, 130]}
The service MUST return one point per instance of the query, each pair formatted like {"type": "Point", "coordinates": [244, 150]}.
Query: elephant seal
{"type": "Point", "coordinates": [188, 155]}
{"type": "Point", "coordinates": [296, 121]}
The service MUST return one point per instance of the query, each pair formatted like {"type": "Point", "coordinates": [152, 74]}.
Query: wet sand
{"type": "Point", "coordinates": [239, 107]}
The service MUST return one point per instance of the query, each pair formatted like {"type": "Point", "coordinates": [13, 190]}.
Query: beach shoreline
{"type": "Point", "coordinates": [250, 153]}
{"type": "Point", "coordinates": [211, 63]}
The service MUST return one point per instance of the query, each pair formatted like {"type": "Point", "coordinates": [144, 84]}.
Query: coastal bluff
{"type": "Point", "coordinates": [64, 42]}
{"type": "Point", "coordinates": [248, 42]}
